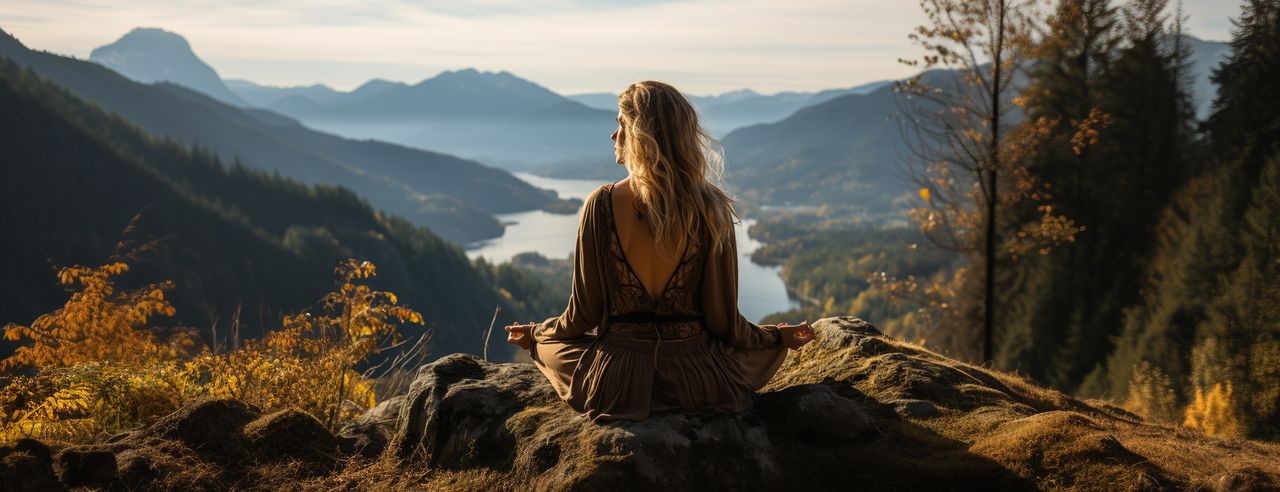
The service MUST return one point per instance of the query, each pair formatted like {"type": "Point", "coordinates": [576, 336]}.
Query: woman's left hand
{"type": "Point", "coordinates": [520, 335]}
{"type": "Point", "coordinates": [795, 336]}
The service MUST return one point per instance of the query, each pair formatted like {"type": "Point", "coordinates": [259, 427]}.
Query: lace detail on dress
{"type": "Point", "coordinates": [680, 296]}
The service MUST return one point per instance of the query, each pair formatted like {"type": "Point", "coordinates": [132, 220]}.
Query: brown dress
{"type": "Point", "coordinates": [615, 353]}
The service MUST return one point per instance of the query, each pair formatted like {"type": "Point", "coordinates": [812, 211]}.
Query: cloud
{"type": "Point", "coordinates": [703, 46]}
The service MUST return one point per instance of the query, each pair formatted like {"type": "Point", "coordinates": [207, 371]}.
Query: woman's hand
{"type": "Point", "coordinates": [795, 336]}
{"type": "Point", "coordinates": [520, 335]}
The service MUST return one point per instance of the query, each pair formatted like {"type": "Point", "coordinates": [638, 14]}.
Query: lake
{"type": "Point", "coordinates": [760, 288]}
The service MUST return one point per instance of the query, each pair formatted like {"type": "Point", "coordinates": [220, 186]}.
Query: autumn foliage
{"type": "Point", "coordinates": [95, 366]}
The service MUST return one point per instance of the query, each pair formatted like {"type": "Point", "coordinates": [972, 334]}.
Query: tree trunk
{"type": "Point", "coordinates": [988, 316]}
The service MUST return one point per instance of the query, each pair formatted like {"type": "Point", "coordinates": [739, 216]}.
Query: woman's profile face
{"type": "Point", "coordinates": [617, 139]}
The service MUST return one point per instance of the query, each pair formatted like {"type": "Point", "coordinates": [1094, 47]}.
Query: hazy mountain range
{"type": "Point", "coordinates": [452, 196]}
{"type": "Point", "coordinates": [234, 239]}
{"type": "Point", "coordinates": [731, 110]}
{"type": "Point", "coordinates": [494, 117]}
{"type": "Point", "coordinates": [840, 144]}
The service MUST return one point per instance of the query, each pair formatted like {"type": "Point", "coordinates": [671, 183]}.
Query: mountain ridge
{"type": "Point", "coordinates": [149, 55]}
{"type": "Point", "coordinates": [453, 196]}
{"type": "Point", "coordinates": [235, 236]}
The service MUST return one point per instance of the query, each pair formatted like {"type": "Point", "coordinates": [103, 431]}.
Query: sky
{"type": "Point", "coordinates": [569, 46]}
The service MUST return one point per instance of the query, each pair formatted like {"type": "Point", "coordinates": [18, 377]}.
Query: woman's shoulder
{"type": "Point", "coordinates": [596, 204]}
{"type": "Point", "coordinates": [598, 198]}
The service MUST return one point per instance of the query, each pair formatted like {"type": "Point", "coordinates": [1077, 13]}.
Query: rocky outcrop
{"type": "Point", "coordinates": [852, 410]}
{"type": "Point", "coordinates": [207, 445]}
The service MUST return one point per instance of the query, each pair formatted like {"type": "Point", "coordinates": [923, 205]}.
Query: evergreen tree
{"type": "Point", "coordinates": [1208, 308]}
{"type": "Point", "coordinates": [1111, 73]}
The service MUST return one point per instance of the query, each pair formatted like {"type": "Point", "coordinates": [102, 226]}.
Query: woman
{"type": "Point", "coordinates": [652, 323]}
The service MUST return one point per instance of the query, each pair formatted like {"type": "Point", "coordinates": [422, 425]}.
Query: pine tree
{"type": "Point", "coordinates": [1111, 81]}
{"type": "Point", "coordinates": [1212, 281]}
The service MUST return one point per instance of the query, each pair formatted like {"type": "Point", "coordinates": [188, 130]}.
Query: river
{"type": "Point", "coordinates": [760, 288]}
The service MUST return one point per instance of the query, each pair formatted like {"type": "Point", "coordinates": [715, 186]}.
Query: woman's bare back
{"type": "Point", "coordinates": [654, 264]}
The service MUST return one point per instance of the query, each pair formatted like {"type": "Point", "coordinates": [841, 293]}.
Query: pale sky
{"type": "Point", "coordinates": [569, 46]}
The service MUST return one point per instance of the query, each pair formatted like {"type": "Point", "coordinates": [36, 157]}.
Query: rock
{"type": "Point", "coordinates": [86, 466]}
{"type": "Point", "coordinates": [27, 466]}
{"type": "Point", "coordinates": [465, 394]}
{"type": "Point", "coordinates": [821, 423]}
{"type": "Point", "coordinates": [1245, 479]}
{"type": "Point", "coordinates": [816, 413]}
{"type": "Point", "coordinates": [211, 428]}
{"type": "Point", "coordinates": [843, 331]}
{"type": "Point", "coordinates": [370, 433]}
{"type": "Point", "coordinates": [292, 434]}
{"type": "Point", "coordinates": [136, 471]}
{"type": "Point", "coordinates": [919, 409]}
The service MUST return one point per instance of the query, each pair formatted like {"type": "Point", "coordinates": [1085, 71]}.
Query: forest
{"type": "Point", "coordinates": [1134, 250]}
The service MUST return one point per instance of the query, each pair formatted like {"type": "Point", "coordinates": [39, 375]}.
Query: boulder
{"type": "Point", "coordinates": [369, 434]}
{"type": "Point", "coordinates": [27, 465]}
{"type": "Point", "coordinates": [292, 435]}
{"type": "Point", "coordinates": [86, 466]}
{"type": "Point", "coordinates": [853, 409]}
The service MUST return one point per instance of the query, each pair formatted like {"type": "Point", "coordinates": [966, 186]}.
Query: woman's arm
{"type": "Point", "coordinates": [720, 303]}
{"type": "Point", "coordinates": [587, 298]}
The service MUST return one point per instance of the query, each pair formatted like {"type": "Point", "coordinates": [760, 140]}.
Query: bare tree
{"type": "Point", "coordinates": [966, 151]}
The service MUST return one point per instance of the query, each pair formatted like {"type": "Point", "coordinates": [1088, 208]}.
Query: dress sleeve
{"type": "Point", "coordinates": [720, 303]}
{"type": "Point", "coordinates": [586, 307]}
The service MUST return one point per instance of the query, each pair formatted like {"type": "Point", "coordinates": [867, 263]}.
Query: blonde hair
{"type": "Point", "coordinates": [674, 165]}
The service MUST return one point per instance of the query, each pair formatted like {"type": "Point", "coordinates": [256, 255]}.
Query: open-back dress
{"type": "Point", "coordinates": [618, 353]}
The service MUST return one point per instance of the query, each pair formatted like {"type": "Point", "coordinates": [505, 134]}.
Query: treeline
{"type": "Point", "coordinates": [241, 245]}
{"type": "Point", "coordinates": [1168, 298]}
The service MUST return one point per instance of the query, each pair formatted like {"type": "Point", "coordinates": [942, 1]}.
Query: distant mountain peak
{"type": "Point", "coordinates": [150, 54]}
{"type": "Point", "coordinates": [745, 91]}
{"type": "Point", "coordinates": [153, 38]}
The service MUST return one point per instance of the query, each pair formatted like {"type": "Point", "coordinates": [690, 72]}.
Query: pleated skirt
{"type": "Point", "coordinates": [613, 377]}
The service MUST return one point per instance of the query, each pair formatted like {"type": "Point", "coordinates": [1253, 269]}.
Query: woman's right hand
{"type": "Point", "coordinates": [795, 336]}
{"type": "Point", "coordinates": [520, 335]}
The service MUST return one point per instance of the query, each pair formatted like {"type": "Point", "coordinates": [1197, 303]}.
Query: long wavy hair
{"type": "Point", "coordinates": [674, 165]}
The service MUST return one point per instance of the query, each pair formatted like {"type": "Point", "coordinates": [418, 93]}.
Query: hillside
{"type": "Point", "coordinates": [852, 410]}
{"type": "Point", "coordinates": [452, 196]}
{"type": "Point", "coordinates": [841, 152]}
{"type": "Point", "coordinates": [237, 240]}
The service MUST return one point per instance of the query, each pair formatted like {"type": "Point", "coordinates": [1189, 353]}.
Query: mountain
{"type": "Point", "coordinates": [1205, 58]}
{"type": "Point", "coordinates": [725, 98]}
{"type": "Point", "coordinates": [737, 109]}
{"type": "Point", "coordinates": [723, 113]}
{"type": "Point", "coordinates": [262, 96]}
{"type": "Point", "coordinates": [846, 150]}
{"type": "Point", "coordinates": [463, 94]}
{"type": "Point", "coordinates": [495, 117]}
{"type": "Point", "coordinates": [149, 55]}
{"type": "Point", "coordinates": [607, 101]}
{"type": "Point", "coordinates": [238, 240]}
{"type": "Point", "coordinates": [840, 152]}
{"type": "Point", "coordinates": [452, 196]}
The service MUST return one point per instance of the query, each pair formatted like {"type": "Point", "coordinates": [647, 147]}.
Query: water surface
{"type": "Point", "coordinates": [760, 289]}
